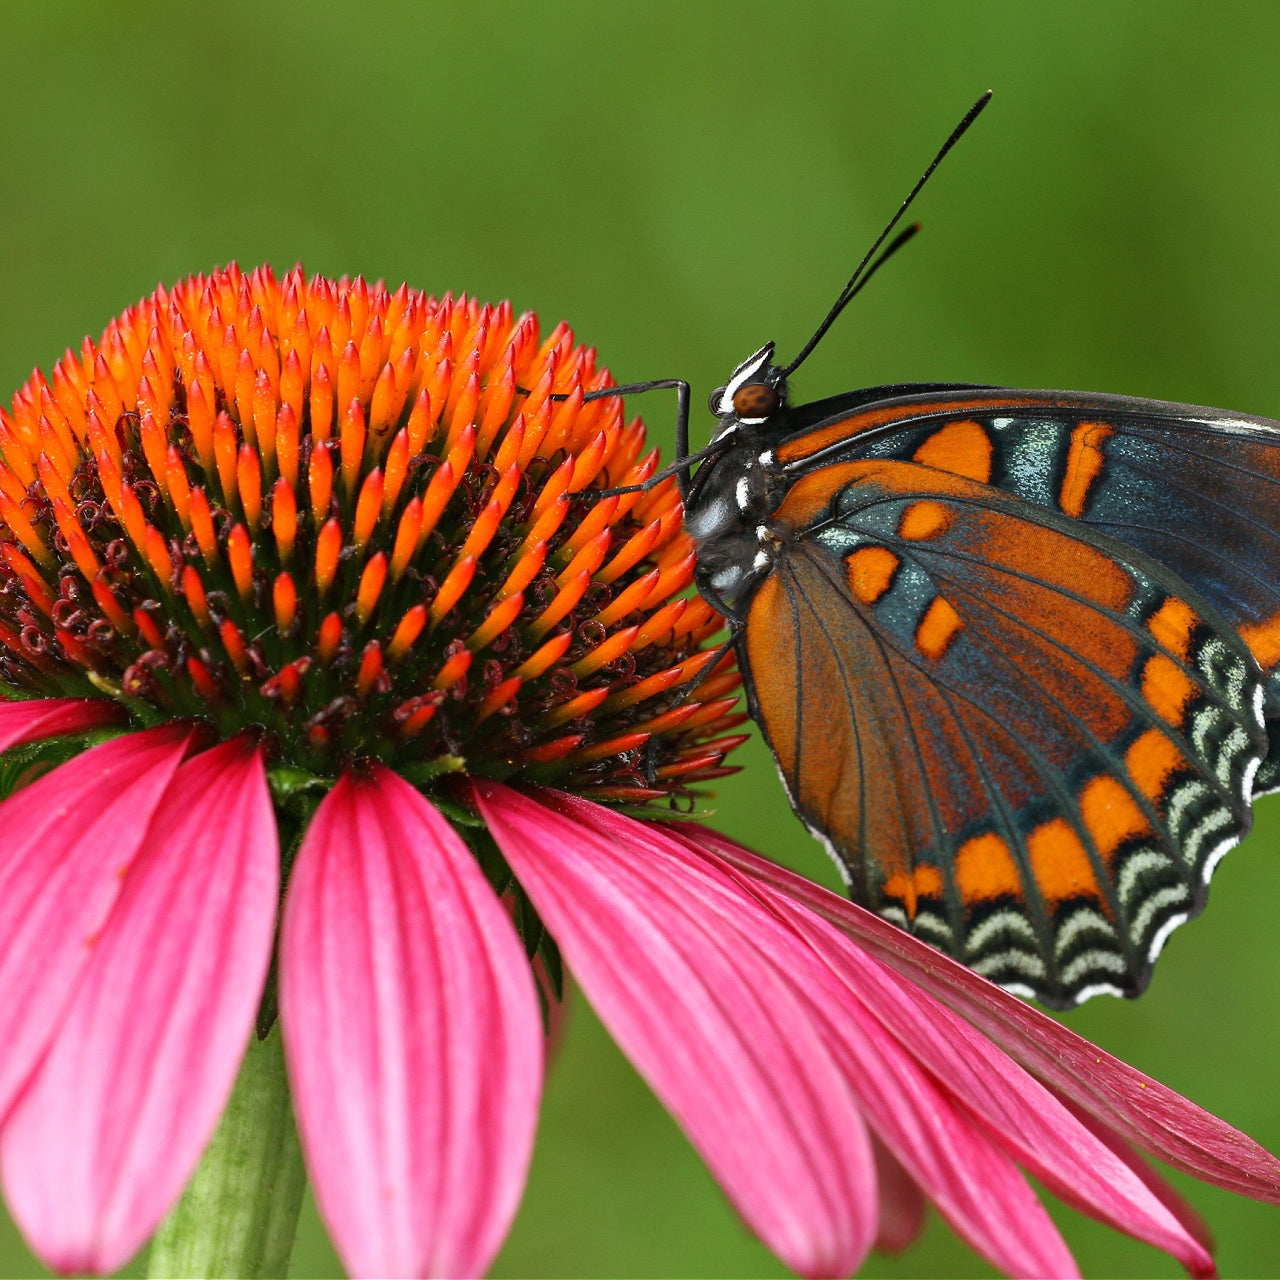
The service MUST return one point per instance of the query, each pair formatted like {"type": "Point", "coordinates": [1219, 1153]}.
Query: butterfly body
{"type": "Point", "coordinates": [1015, 652]}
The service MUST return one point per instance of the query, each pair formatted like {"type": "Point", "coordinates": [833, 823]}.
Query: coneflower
{"type": "Point", "coordinates": [308, 596]}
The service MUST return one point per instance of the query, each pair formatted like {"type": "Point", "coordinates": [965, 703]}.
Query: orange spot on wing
{"type": "Point", "coordinates": [938, 628]}
{"type": "Point", "coordinates": [1059, 863]}
{"type": "Point", "coordinates": [1167, 688]}
{"type": "Point", "coordinates": [1173, 624]}
{"type": "Point", "coordinates": [923, 519]}
{"type": "Point", "coordinates": [963, 448]}
{"type": "Point", "coordinates": [1084, 465]}
{"type": "Point", "coordinates": [1111, 814]}
{"type": "Point", "coordinates": [928, 882]}
{"type": "Point", "coordinates": [1263, 639]}
{"type": "Point", "coordinates": [1152, 759]}
{"type": "Point", "coordinates": [870, 572]}
{"type": "Point", "coordinates": [900, 888]}
{"type": "Point", "coordinates": [924, 881]}
{"type": "Point", "coordinates": [985, 869]}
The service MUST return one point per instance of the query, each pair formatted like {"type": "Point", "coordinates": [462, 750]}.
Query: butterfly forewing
{"type": "Point", "coordinates": [1196, 489]}
{"type": "Point", "coordinates": [1025, 741]}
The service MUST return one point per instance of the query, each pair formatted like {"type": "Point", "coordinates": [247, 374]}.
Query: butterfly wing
{"type": "Point", "coordinates": [1023, 741]}
{"type": "Point", "coordinates": [1196, 489]}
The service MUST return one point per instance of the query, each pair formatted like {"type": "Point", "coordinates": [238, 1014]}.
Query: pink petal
{"type": "Point", "coordinates": [36, 718]}
{"type": "Point", "coordinates": [706, 994]}
{"type": "Point", "coordinates": [1131, 1104]}
{"type": "Point", "coordinates": [1005, 1223]}
{"type": "Point", "coordinates": [68, 839]}
{"type": "Point", "coordinates": [101, 1143]}
{"type": "Point", "coordinates": [1028, 1122]}
{"type": "Point", "coordinates": [1172, 1199]}
{"type": "Point", "coordinates": [974, 1184]}
{"type": "Point", "coordinates": [412, 1033]}
{"type": "Point", "coordinates": [902, 1203]}
{"type": "Point", "coordinates": [885, 1028]}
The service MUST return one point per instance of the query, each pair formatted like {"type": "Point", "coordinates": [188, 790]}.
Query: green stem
{"type": "Point", "coordinates": [239, 1213]}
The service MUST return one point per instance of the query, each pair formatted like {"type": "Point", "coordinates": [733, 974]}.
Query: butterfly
{"type": "Point", "coordinates": [1016, 653]}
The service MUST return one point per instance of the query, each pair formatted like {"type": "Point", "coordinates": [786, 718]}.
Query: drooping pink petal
{"type": "Point", "coordinates": [902, 1203]}
{"type": "Point", "coordinates": [1027, 1120]}
{"type": "Point", "coordinates": [65, 843]}
{"type": "Point", "coordinates": [1168, 1195]}
{"type": "Point", "coordinates": [705, 993]}
{"type": "Point", "coordinates": [973, 1183]}
{"type": "Point", "coordinates": [945, 1149]}
{"type": "Point", "coordinates": [412, 1034]}
{"type": "Point", "coordinates": [36, 718]}
{"type": "Point", "coordinates": [101, 1142]}
{"type": "Point", "coordinates": [1133, 1105]}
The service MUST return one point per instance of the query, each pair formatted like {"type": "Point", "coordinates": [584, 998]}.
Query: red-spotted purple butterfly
{"type": "Point", "coordinates": [1016, 652]}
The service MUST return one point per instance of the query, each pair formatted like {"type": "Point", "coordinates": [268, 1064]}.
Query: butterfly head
{"type": "Point", "coordinates": [756, 390]}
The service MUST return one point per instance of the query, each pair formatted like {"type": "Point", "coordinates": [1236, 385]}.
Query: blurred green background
{"type": "Point", "coordinates": [683, 181]}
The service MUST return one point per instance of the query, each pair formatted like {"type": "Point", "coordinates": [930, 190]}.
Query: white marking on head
{"type": "Point", "coordinates": [743, 374]}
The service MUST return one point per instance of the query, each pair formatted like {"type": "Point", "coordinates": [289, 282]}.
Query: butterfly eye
{"type": "Point", "coordinates": [755, 400]}
{"type": "Point", "coordinates": [713, 400]}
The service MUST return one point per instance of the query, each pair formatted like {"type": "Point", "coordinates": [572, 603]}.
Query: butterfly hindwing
{"type": "Point", "coordinates": [1024, 741]}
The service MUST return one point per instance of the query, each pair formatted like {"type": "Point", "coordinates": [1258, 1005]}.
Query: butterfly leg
{"type": "Point", "coordinates": [680, 467]}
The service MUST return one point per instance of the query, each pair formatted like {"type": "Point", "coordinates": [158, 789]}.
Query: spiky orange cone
{"type": "Point", "coordinates": [360, 525]}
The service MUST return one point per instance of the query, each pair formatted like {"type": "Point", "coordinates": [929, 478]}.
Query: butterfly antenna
{"type": "Point", "coordinates": [863, 273]}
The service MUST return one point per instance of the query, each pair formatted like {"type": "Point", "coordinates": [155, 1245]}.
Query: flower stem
{"type": "Point", "coordinates": [239, 1213]}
